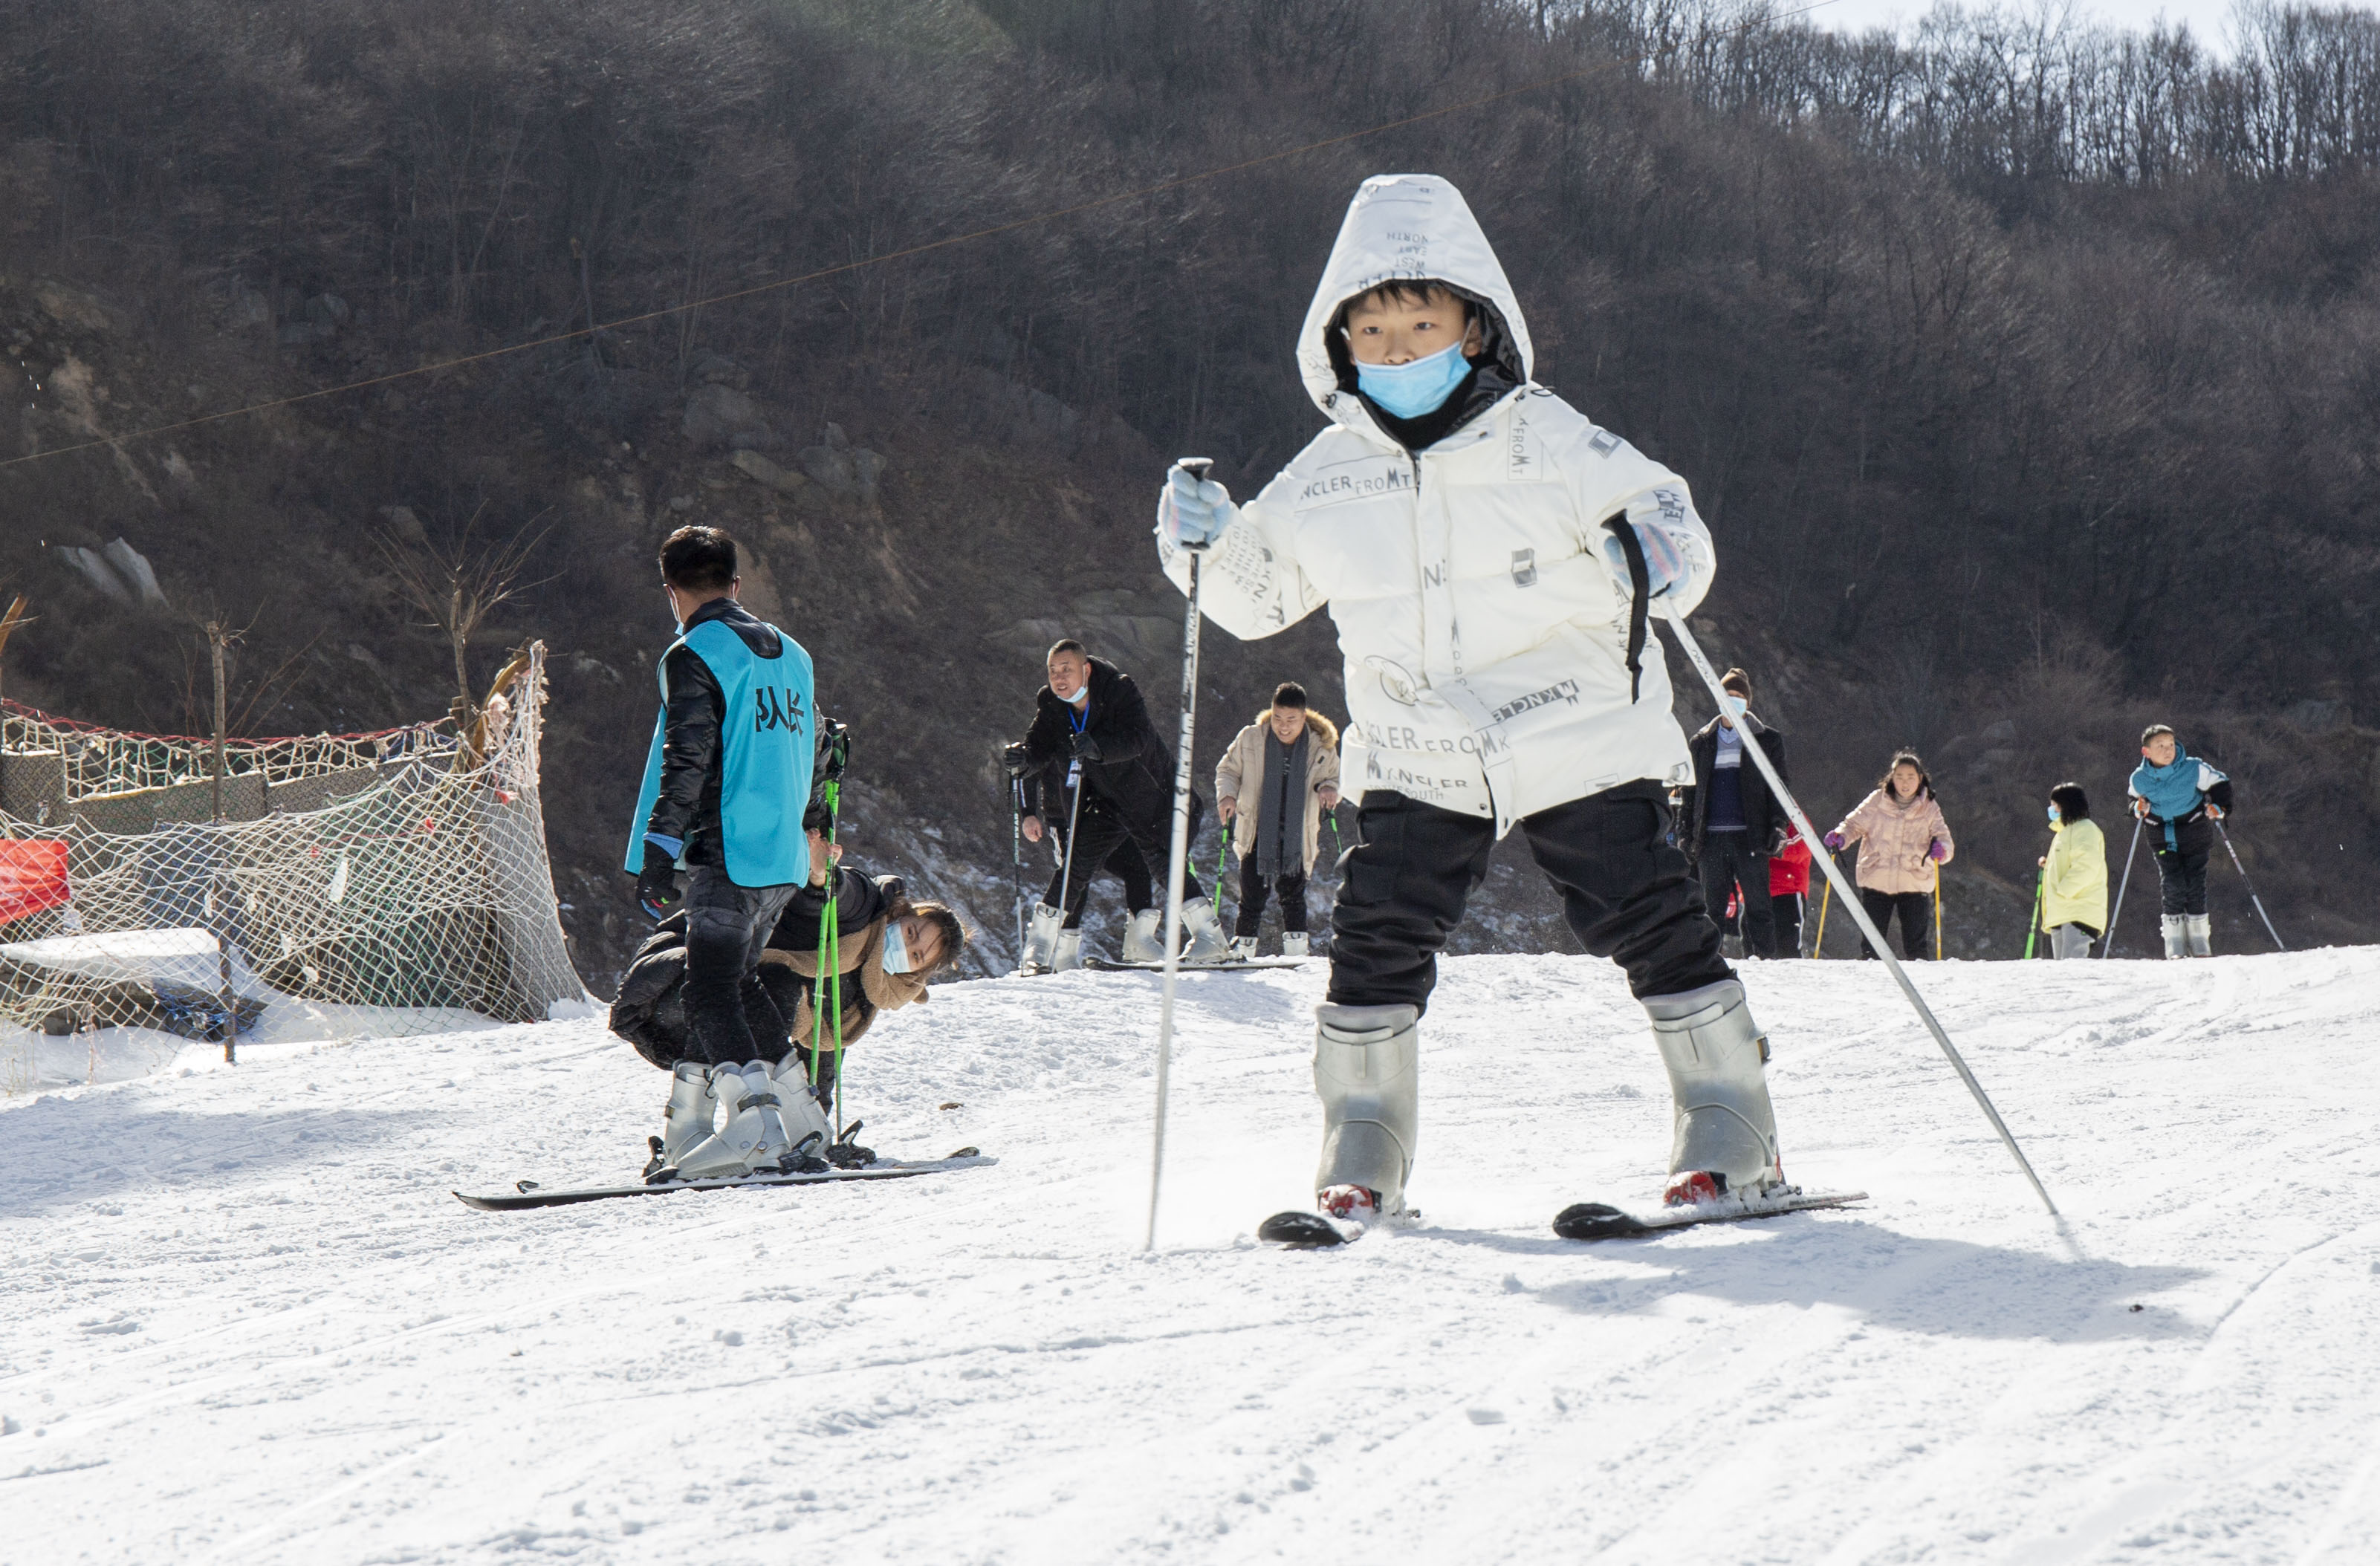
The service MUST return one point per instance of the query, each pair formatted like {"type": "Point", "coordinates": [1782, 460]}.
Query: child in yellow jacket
{"type": "Point", "coordinates": [2073, 875]}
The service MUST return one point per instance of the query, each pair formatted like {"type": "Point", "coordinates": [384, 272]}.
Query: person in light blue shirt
{"type": "Point", "coordinates": [727, 783]}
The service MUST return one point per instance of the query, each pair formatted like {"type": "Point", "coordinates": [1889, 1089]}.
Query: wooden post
{"type": "Point", "coordinates": [9, 623]}
{"type": "Point", "coordinates": [218, 893]}
{"type": "Point", "coordinates": [215, 646]}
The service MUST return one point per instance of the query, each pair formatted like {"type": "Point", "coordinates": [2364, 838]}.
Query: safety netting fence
{"type": "Point", "coordinates": [311, 888]}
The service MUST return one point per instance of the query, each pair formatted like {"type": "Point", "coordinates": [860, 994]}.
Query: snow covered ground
{"type": "Point", "coordinates": [243, 1320]}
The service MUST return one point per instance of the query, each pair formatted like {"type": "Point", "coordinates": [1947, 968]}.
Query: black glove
{"type": "Point", "coordinates": [1016, 760]}
{"type": "Point", "coordinates": [657, 885]}
{"type": "Point", "coordinates": [1084, 747]}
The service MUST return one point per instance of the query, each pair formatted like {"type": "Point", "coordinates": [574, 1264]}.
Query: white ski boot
{"type": "Point", "coordinates": [2199, 928]}
{"type": "Point", "coordinates": [1143, 937]}
{"type": "Point", "coordinates": [690, 1117]}
{"type": "Point", "coordinates": [1207, 943]}
{"type": "Point", "coordinates": [1242, 950]}
{"type": "Point", "coordinates": [802, 1115]}
{"type": "Point", "coordinates": [2177, 935]}
{"type": "Point", "coordinates": [1293, 943]}
{"type": "Point", "coordinates": [754, 1138]}
{"type": "Point", "coordinates": [1367, 1068]}
{"type": "Point", "coordinates": [1069, 952]}
{"type": "Point", "coordinates": [1724, 1132]}
{"type": "Point", "coordinates": [1041, 939]}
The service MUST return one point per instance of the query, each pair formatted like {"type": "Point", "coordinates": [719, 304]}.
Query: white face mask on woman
{"type": "Point", "coordinates": [896, 948]}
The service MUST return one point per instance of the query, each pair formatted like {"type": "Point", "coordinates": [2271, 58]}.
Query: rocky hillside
{"type": "Point", "coordinates": [2004, 460]}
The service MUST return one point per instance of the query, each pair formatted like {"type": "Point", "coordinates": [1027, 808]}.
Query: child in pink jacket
{"type": "Point", "coordinates": [1903, 841]}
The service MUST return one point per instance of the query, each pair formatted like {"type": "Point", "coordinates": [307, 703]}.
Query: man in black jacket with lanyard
{"type": "Point", "coordinates": [1732, 825]}
{"type": "Point", "coordinates": [1118, 787]}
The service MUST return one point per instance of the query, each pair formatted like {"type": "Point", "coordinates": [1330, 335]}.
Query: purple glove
{"type": "Point", "coordinates": [1834, 842]}
{"type": "Point", "coordinates": [1937, 851]}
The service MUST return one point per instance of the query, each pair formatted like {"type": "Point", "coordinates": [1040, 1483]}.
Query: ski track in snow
{"type": "Point", "coordinates": [244, 1320]}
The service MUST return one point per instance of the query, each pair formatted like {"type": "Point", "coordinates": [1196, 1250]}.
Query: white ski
{"type": "Point", "coordinates": [1595, 1220]}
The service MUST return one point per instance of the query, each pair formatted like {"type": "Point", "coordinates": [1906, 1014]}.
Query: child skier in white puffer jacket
{"type": "Point", "coordinates": [1491, 557]}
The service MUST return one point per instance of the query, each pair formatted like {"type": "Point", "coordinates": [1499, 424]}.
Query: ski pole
{"type": "Point", "coordinates": [1017, 854]}
{"type": "Point", "coordinates": [1221, 855]}
{"type": "Point", "coordinates": [1753, 748]}
{"type": "Point", "coordinates": [1937, 913]}
{"type": "Point", "coordinates": [2035, 929]}
{"type": "Point", "coordinates": [2108, 946]}
{"type": "Point", "coordinates": [1198, 467]}
{"type": "Point", "coordinates": [828, 989]}
{"type": "Point", "coordinates": [1826, 895]}
{"type": "Point", "coordinates": [1066, 860]}
{"type": "Point", "coordinates": [2252, 889]}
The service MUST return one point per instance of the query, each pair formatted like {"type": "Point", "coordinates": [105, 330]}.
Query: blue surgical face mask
{"type": "Point", "coordinates": [896, 948]}
{"type": "Point", "coordinates": [1735, 706]}
{"type": "Point", "coordinates": [1082, 694]}
{"type": "Point", "coordinates": [1408, 391]}
{"type": "Point", "coordinates": [2054, 813]}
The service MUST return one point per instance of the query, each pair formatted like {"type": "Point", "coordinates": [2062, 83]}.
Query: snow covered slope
{"type": "Point", "coordinates": [244, 1321]}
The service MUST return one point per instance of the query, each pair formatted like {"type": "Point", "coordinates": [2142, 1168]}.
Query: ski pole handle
{"type": "Point", "coordinates": [1198, 467]}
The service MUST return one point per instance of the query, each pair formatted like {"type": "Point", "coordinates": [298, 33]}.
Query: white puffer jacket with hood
{"type": "Point", "coordinates": [1486, 641]}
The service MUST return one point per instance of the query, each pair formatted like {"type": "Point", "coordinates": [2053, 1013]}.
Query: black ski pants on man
{"type": "Point", "coordinates": [1289, 886]}
{"type": "Point", "coordinates": [1626, 894]}
{"type": "Point", "coordinates": [1102, 837]}
{"type": "Point", "coordinates": [727, 927]}
{"type": "Point", "coordinates": [1729, 861]}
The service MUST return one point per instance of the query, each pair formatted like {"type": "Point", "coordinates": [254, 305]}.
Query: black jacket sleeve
{"type": "Point", "coordinates": [1781, 824]}
{"type": "Point", "coordinates": [2220, 796]}
{"type": "Point", "coordinates": [1045, 743]}
{"type": "Point", "coordinates": [691, 745]}
{"type": "Point", "coordinates": [859, 902]}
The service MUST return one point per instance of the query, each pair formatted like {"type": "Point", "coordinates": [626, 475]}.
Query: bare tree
{"type": "Point", "coordinates": [459, 585]}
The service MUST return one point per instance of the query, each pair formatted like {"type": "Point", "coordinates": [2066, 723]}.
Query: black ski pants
{"type": "Point", "coordinates": [1729, 862]}
{"type": "Point", "coordinates": [2182, 878]}
{"type": "Point", "coordinates": [1785, 913]}
{"type": "Point", "coordinates": [1916, 911]}
{"type": "Point", "coordinates": [1102, 836]}
{"type": "Point", "coordinates": [1625, 892]}
{"type": "Point", "coordinates": [1289, 886]}
{"type": "Point", "coordinates": [729, 1016]}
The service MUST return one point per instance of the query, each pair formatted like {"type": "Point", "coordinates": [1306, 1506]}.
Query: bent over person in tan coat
{"type": "Point", "coordinates": [1272, 786]}
{"type": "Point", "coordinates": [1903, 840]}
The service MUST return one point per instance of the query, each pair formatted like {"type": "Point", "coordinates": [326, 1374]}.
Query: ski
{"type": "Point", "coordinates": [529, 1194]}
{"type": "Point", "coordinates": [1307, 1230]}
{"type": "Point", "coordinates": [1109, 964]}
{"type": "Point", "coordinates": [1595, 1220]}
{"type": "Point", "coordinates": [1303, 1229]}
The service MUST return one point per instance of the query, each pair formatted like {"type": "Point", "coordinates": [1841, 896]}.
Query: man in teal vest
{"type": "Point", "coordinates": [725, 787]}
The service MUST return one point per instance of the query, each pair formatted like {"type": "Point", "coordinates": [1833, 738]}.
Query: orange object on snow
{"type": "Point", "coordinates": [32, 875]}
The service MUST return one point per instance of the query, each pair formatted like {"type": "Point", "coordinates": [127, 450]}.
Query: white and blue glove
{"type": "Point", "coordinates": [1666, 564]}
{"type": "Point", "coordinates": [1193, 512]}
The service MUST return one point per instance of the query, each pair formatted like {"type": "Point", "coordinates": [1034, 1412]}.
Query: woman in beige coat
{"type": "Point", "coordinates": [1271, 787]}
{"type": "Point", "coordinates": [1903, 841]}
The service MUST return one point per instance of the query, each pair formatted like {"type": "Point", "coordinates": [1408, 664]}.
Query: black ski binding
{"type": "Point", "coordinates": [848, 1154]}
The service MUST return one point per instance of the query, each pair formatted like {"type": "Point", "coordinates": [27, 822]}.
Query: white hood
{"type": "Point", "coordinates": [1405, 225]}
